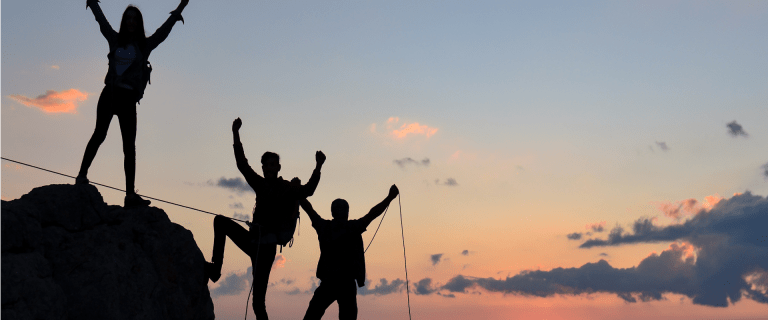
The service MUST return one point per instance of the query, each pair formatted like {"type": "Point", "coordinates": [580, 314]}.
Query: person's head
{"type": "Point", "coordinates": [132, 25]}
{"type": "Point", "coordinates": [340, 210]}
{"type": "Point", "coordinates": [270, 164]}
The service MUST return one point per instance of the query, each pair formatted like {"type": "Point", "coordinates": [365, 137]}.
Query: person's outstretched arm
{"type": "Point", "coordinates": [162, 33]}
{"type": "Point", "coordinates": [308, 189]}
{"type": "Point", "coordinates": [313, 216]}
{"type": "Point", "coordinates": [251, 176]}
{"type": "Point", "coordinates": [378, 209]}
{"type": "Point", "coordinates": [106, 29]}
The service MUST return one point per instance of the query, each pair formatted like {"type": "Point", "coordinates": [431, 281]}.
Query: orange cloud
{"type": "Point", "coordinates": [54, 102]}
{"type": "Point", "coordinates": [279, 262]}
{"type": "Point", "coordinates": [711, 201]}
{"type": "Point", "coordinates": [55, 67]}
{"type": "Point", "coordinates": [415, 129]}
{"type": "Point", "coordinates": [687, 207]}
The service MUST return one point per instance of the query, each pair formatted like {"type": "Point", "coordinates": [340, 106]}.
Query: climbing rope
{"type": "Point", "coordinates": [121, 190]}
{"type": "Point", "coordinates": [402, 232]}
{"type": "Point", "coordinates": [377, 229]}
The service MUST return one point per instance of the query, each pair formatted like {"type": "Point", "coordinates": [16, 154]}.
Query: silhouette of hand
{"type": "Point", "coordinates": [320, 157]}
{"type": "Point", "coordinates": [184, 2]}
{"type": "Point", "coordinates": [237, 124]}
{"type": "Point", "coordinates": [393, 191]}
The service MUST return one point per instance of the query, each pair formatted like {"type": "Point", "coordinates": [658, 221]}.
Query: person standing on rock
{"type": "Point", "coordinates": [274, 218]}
{"type": "Point", "coordinates": [126, 79]}
{"type": "Point", "coordinates": [342, 256]}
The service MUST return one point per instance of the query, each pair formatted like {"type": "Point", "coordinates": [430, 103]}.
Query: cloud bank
{"type": "Point", "coordinates": [384, 287]}
{"type": "Point", "coordinates": [716, 258]}
{"type": "Point", "coordinates": [54, 102]}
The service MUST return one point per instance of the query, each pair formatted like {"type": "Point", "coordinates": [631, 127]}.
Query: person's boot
{"type": "Point", "coordinates": [212, 272]}
{"type": "Point", "coordinates": [134, 200]}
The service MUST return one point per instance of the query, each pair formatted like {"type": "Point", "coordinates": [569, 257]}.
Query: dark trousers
{"type": "Point", "coordinates": [224, 227]}
{"type": "Point", "coordinates": [342, 291]}
{"type": "Point", "coordinates": [122, 103]}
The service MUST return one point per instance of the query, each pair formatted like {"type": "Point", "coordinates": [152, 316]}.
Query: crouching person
{"type": "Point", "coordinates": [342, 259]}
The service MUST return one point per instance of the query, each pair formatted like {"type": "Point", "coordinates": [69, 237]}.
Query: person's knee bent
{"type": "Point", "coordinates": [219, 222]}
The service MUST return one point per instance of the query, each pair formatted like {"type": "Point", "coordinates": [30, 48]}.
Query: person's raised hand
{"type": "Point", "coordinates": [393, 191]}
{"type": "Point", "coordinates": [320, 157]}
{"type": "Point", "coordinates": [237, 124]}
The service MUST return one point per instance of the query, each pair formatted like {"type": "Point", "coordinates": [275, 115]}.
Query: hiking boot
{"type": "Point", "coordinates": [211, 271]}
{"type": "Point", "coordinates": [81, 179]}
{"type": "Point", "coordinates": [134, 200]}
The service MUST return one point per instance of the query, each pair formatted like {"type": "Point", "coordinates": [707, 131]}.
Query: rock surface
{"type": "Point", "coordinates": [66, 254]}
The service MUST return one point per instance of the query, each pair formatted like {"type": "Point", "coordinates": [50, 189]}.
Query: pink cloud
{"type": "Point", "coordinates": [54, 102]}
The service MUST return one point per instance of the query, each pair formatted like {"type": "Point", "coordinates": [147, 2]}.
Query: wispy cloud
{"type": "Point", "coordinates": [736, 129]}
{"type": "Point", "coordinates": [414, 129]}
{"type": "Point", "coordinates": [436, 258]}
{"type": "Point", "coordinates": [406, 161]}
{"type": "Point", "coordinates": [54, 102]}
{"type": "Point", "coordinates": [236, 205]}
{"type": "Point", "coordinates": [662, 145]}
{"type": "Point", "coordinates": [451, 182]}
{"type": "Point", "coordinates": [236, 184]}
{"type": "Point", "coordinates": [574, 236]}
{"type": "Point", "coordinates": [55, 67]}
{"type": "Point", "coordinates": [465, 253]}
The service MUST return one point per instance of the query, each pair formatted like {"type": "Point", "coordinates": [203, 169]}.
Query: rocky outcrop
{"type": "Point", "coordinates": [68, 255]}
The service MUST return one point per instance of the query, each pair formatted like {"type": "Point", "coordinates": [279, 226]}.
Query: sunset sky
{"type": "Point", "coordinates": [556, 160]}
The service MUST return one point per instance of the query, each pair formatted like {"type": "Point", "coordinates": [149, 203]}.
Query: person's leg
{"type": "Point", "coordinates": [347, 299]}
{"type": "Point", "coordinates": [103, 118]}
{"type": "Point", "coordinates": [262, 265]}
{"type": "Point", "coordinates": [321, 300]}
{"type": "Point", "coordinates": [224, 227]}
{"type": "Point", "coordinates": [127, 116]}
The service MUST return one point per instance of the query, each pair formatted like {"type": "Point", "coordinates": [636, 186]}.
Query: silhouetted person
{"type": "Point", "coordinates": [342, 256]}
{"type": "Point", "coordinates": [124, 86]}
{"type": "Point", "coordinates": [274, 218]}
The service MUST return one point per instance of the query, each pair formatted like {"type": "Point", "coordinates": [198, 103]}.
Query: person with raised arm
{"type": "Point", "coordinates": [342, 256]}
{"type": "Point", "coordinates": [274, 218]}
{"type": "Point", "coordinates": [125, 82]}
